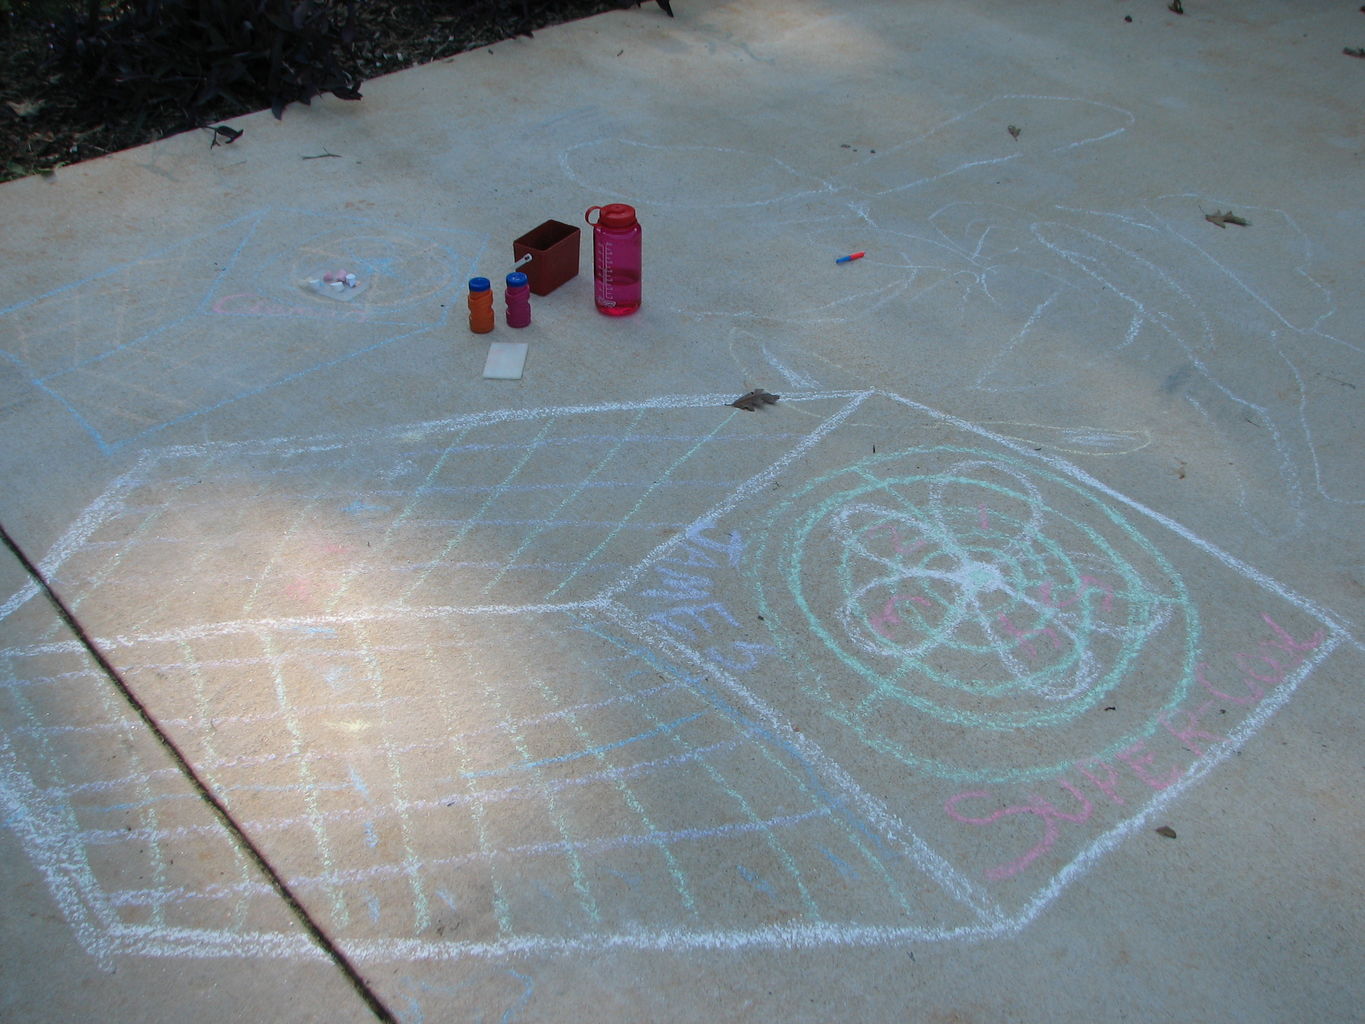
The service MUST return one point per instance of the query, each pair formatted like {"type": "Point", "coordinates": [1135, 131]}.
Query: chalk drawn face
{"type": "Point", "coordinates": [970, 594]}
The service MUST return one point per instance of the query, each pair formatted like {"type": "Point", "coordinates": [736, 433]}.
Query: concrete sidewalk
{"type": "Point", "coordinates": [590, 696]}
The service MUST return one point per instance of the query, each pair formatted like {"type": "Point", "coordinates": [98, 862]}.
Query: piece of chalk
{"type": "Point", "coordinates": [854, 256]}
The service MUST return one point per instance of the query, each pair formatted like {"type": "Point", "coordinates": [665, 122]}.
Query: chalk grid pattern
{"type": "Point", "coordinates": [450, 747]}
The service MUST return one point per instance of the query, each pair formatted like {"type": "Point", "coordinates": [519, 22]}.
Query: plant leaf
{"type": "Point", "coordinates": [24, 108]}
{"type": "Point", "coordinates": [754, 400]}
{"type": "Point", "coordinates": [1222, 220]}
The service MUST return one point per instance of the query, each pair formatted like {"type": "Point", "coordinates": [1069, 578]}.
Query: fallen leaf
{"type": "Point", "coordinates": [1222, 220]}
{"type": "Point", "coordinates": [754, 400]}
{"type": "Point", "coordinates": [1014, 131]}
{"type": "Point", "coordinates": [1167, 831]}
{"type": "Point", "coordinates": [1357, 52]}
{"type": "Point", "coordinates": [24, 108]}
{"type": "Point", "coordinates": [225, 135]}
{"type": "Point", "coordinates": [1175, 7]}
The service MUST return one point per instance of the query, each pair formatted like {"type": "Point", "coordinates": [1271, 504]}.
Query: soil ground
{"type": "Point", "coordinates": [49, 119]}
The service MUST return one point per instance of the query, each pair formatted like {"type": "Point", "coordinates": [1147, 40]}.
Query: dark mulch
{"type": "Point", "coordinates": [48, 120]}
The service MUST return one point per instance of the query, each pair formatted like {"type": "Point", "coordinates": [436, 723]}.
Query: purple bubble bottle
{"type": "Point", "coordinates": [616, 258]}
{"type": "Point", "coordinates": [518, 296]}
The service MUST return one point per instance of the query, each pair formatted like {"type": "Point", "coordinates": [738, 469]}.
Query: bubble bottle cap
{"type": "Point", "coordinates": [480, 284]}
{"type": "Point", "coordinates": [516, 279]}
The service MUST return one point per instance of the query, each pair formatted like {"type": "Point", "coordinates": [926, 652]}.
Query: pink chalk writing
{"type": "Point", "coordinates": [1046, 811]}
{"type": "Point", "coordinates": [1026, 636]}
{"type": "Point", "coordinates": [1189, 732]}
{"type": "Point", "coordinates": [889, 616]}
{"type": "Point", "coordinates": [897, 544]}
{"type": "Point", "coordinates": [1257, 673]}
{"type": "Point", "coordinates": [1141, 760]}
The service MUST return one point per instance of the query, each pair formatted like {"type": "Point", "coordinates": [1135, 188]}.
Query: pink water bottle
{"type": "Point", "coordinates": [616, 258]}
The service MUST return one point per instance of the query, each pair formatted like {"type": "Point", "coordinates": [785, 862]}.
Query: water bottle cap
{"type": "Point", "coordinates": [516, 279]}
{"type": "Point", "coordinates": [613, 215]}
{"type": "Point", "coordinates": [480, 284]}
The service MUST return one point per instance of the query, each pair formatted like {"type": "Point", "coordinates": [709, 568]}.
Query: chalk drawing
{"type": "Point", "coordinates": [1258, 355]}
{"type": "Point", "coordinates": [506, 987]}
{"type": "Point", "coordinates": [453, 748]}
{"type": "Point", "coordinates": [157, 341]}
{"type": "Point", "coordinates": [1073, 440]}
{"type": "Point", "coordinates": [1054, 611]}
{"type": "Point", "coordinates": [774, 690]}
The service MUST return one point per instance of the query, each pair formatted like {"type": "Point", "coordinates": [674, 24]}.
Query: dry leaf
{"type": "Point", "coordinates": [224, 135]}
{"type": "Point", "coordinates": [1222, 220]}
{"type": "Point", "coordinates": [24, 108]}
{"type": "Point", "coordinates": [754, 400]}
{"type": "Point", "coordinates": [1167, 831]}
{"type": "Point", "coordinates": [1014, 131]}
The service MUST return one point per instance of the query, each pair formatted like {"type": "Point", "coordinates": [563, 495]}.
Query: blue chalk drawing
{"type": "Point", "coordinates": [758, 882]}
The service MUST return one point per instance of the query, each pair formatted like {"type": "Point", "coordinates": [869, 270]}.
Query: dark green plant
{"type": "Point", "coordinates": [211, 58]}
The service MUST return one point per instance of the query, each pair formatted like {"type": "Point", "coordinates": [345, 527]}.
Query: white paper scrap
{"type": "Point", "coordinates": [505, 360]}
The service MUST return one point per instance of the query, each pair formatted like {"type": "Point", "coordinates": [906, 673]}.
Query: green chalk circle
{"type": "Point", "coordinates": [976, 594]}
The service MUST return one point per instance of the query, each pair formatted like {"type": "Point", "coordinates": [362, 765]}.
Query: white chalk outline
{"type": "Point", "coordinates": [48, 838]}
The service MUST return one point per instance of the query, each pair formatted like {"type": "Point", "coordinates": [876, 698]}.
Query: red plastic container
{"type": "Point", "coordinates": [553, 248]}
{"type": "Point", "coordinates": [616, 258]}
